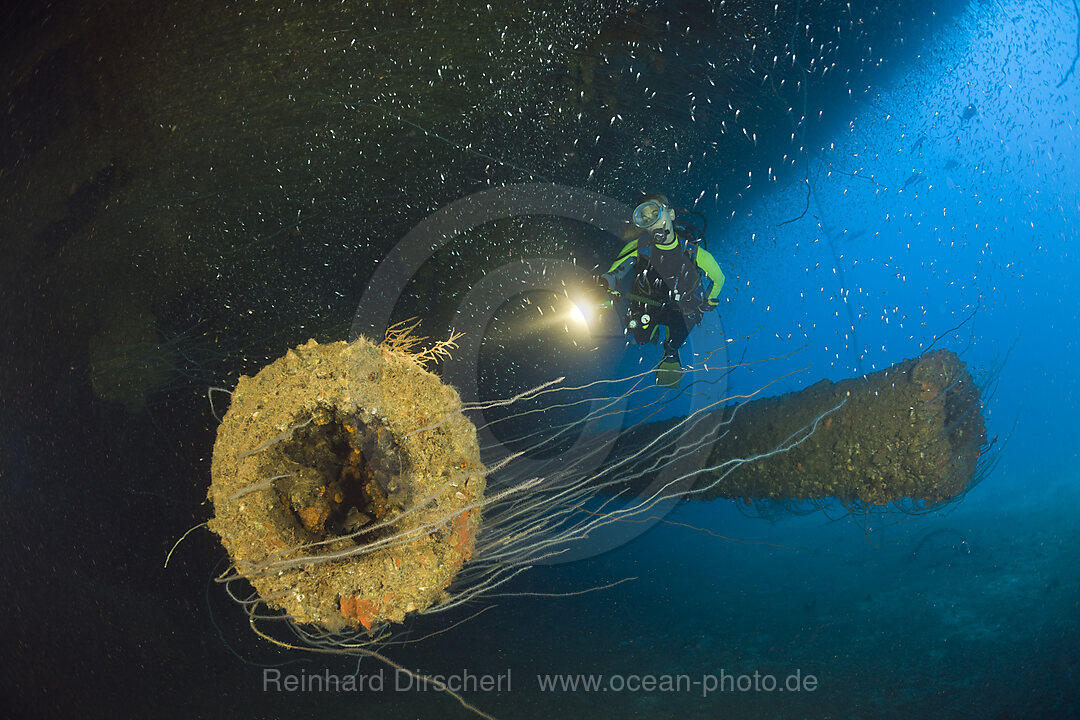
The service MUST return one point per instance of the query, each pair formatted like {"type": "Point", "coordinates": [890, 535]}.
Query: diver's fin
{"type": "Point", "coordinates": [669, 375]}
{"type": "Point", "coordinates": [670, 371]}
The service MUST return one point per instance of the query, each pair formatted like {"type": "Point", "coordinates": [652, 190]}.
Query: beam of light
{"type": "Point", "coordinates": [578, 316]}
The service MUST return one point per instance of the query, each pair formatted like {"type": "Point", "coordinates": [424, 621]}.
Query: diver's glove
{"type": "Point", "coordinates": [707, 305]}
{"type": "Point", "coordinates": [607, 281]}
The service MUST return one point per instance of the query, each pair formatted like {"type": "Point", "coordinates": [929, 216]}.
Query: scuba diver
{"type": "Point", "coordinates": [675, 281]}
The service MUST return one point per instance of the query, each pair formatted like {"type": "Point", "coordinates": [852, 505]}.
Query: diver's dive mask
{"type": "Point", "coordinates": [648, 213]}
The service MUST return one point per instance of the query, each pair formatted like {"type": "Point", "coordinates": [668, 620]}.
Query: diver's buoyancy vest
{"type": "Point", "coordinates": [671, 275]}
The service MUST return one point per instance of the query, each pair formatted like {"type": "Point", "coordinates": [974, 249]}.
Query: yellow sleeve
{"type": "Point", "coordinates": [711, 268]}
{"type": "Point", "coordinates": [629, 251]}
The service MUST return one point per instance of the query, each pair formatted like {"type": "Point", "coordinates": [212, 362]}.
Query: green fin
{"type": "Point", "coordinates": [669, 374]}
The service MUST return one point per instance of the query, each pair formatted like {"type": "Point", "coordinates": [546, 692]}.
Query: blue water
{"type": "Point", "coordinates": [936, 208]}
{"type": "Point", "coordinates": [950, 200]}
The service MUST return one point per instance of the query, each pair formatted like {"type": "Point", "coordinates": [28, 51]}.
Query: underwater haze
{"type": "Point", "coordinates": [189, 189]}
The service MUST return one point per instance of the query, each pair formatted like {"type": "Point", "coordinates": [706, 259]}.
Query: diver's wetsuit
{"type": "Point", "coordinates": [670, 275]}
